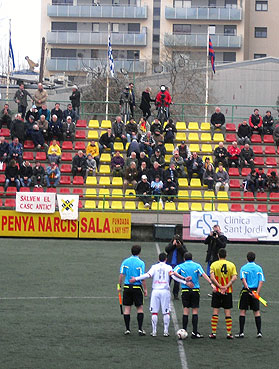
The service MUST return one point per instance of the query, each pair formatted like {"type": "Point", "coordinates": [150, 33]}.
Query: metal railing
{"type": "Point", "coordinates": [204, 13]}
{"type": "Point", "coordinates": [200, 40]}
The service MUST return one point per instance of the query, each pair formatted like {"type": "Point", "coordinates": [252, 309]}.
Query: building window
{"type": "Point", "coordinates": [62, 2]}
{"type": "Point", "coordinates": [133, 27]}
{"type": "Point", "coordinates": [63, 53]}
{"type": "Point", "coordinates": [156, 11]}
{"type": "Point", "coordinates": [156, 38]}
{"type": "Point", "coordinates": [115, 27]}
{"type": "Point", "coordinates": [230, 30]}
{"type": "Point", "coordinates": [258, 56]}
{"type": "Point", "coordinates": [230, 3]}
{"type": "Point", "coordinates": [156, 24]}
{"type": "Point", "coordinates": [182, 29]}
{"type": "Point", "coordinates": [95, 27]}
{"type": "Point", "coordinates": [229, 57]}
{"type": "Point", "coordinates": [260, 32]}
{"type": "Point", "coordinates": [63, 26]}
{"type": "Point", "coordinates": [133, 54]}
{"type": "Point", "coordinates": [261, 6]}
{"type": "Point", "coordinates": [212, 3]}
{"type": "Point", "coordinates": [182, 3]}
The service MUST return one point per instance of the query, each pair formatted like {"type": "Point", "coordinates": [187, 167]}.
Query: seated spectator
{"type": "Point", "coordinates": [144, 158]}
{"type": "Point", "coordinates": [256, 122]}
{"type": "Point", "coordinates": [54, 152]}
{"type": "Point", "coordinates": [156, 130]}
{"type": "Point", "coordinates": [38, 175]}
{"type": "Point", "coordinates": [161, 146]}
{"type": "Point", "coordinates": [147, 144]}
{"type": "Point", "coordinates": [143, 191]}
{"type": "Point", "coordinates": [12, 174]}
{"type": "Point", "coordinates": [244, 133]}
{"type": "Point", "coordinates": [209, 177]}
{"type": "Point", "coordinates": [17, 128]}
{"type": "Point", "coordinates": [91, 166]}
{"type": "Point", "coordinates": [79, 164]}
{"type": "Point", "coordinates": [179, 164]}
{"type": "Point", "coordinates": [250, 182]}
{"type": "Point", "coordinates": [143, 170]}
{"type": "Point", "coordinates": [34, 112]}
{"type": "Point", "coordinates": [217, 121]}
{"type": "Point", "coordinates": [38, 138]}
{"type": "Point", "coordinates": [247, 157]}
{"type": "Point", "coordinates": [25, 174]}
{"type": "Point", "coordinates": [157, 156]}
{"type": "Point", "coordinates": [16, 151]}
{"type": "Point", "coordinates": [57, 111]}
{"type": "Point", "coordinates": [195, 165]}
{"type": "Point", "coordinates": [169, 190]}
{"type": "Point", "coordinates": [4, 150]}
{"type": "Point", "coordinates": [131, 129]}
{"type": "Point", "coordinates": [106, 142]}
{"type": "Point", "coordinates": [130, 159]}
{"type": "Point", "coordinates": [55, 128]}
{"type": "Point", "coordinates": [29, 126]}
{"type": "Point", "coordinates": [184, 151]}
{"type": "Point", "coordinates": [6, 116]}
{"type": "Point", "coordinates": [233, 155]}
{"type": "Point", "coordinates": [276, 135]}
{"type": "Point", "coordinates": [130, 176]}
{"type": "Point", "coordinates": [171, 172]}
{"type": "Point", "coordinates": [143, 127]}
{"type": "Point", "coordinates": [273, 182]}
{"type": "Point", "coordinates": [220, 154]}
{"type": "Point", "coordinates": [261, 180]}
{"type": "Point", "coordinates": [93, 149]}
{"type": "Point", "coordinates": [117, 165]}
{"type": "Point", "coordinates": [68, 129]}
{"type": "Point", "coordinates": [222, 179]}
{"type": "Point", "coordinates": [43, 126]}
{"type": "Point", "coordinates": [206, 163]}
{"type": "Point", "coordinates": [52, 176]}
{"type": "Point", "coordinates": [118, 130]}
{"type": "Point", "coordinates": [154, 171]}
{"type": "Point", "coordinates": [134, 147]}
{"type": "Point", "coordinates": [268, 123]}
{"type": "Point", "coordinates": [157, 188]}
{"type": "Point", "coordinates": [45, 111]}
{"type": "Point", "coordinates": [170, 131]}
{"type": "Point", "coordinates": [69, 112]}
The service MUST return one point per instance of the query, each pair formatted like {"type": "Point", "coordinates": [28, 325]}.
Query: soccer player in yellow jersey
{"type": "Point", "coordinates": [223, 274]}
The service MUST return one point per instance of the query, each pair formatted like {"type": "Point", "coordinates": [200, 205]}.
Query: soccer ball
{"type": "Point", "coordinates": [181, 334]}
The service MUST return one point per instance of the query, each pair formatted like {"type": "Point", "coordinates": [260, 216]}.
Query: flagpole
{"type": "Point", "coordinates": [8, 73]}
{"type": "Point", "coordinates": [108, 71]}
{"type": "Point", "coordinates": [206, 77]}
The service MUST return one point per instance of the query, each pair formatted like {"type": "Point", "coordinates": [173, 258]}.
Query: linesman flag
{"type": "Point", "coordinates": [11, 51]}
{"type": "Point", "coordinates": [110, 56]}
{"type": "Point", "coordinates": [211, 53]}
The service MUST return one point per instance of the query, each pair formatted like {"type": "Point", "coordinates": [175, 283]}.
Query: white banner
{"type": "Point", "coordinates": [68, 206]}
{"type": "Point", "coordinates": [272, 232]}
{"type": "Point", "coordinates": [35, 202]}
{"type": "Point", "coordinates": [234, 225]}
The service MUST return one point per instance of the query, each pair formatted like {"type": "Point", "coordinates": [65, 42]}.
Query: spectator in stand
{"type": "Point", "coordinates": [40, 96]}
{"type": "Point", "coordinates": [170, 131]}
{"type": "Point", "coordinates": [69, 112]}
{"type": "Point", "coordinates": [12, 174]}
{"type": "Point", "coordinates": [154, 171]}
{"type": "Point", "coordinates": [147, 144]}
{"type": "Point", "coordinates": [145, 103]}
{"type": "Point", "coordinates": [261, 180]}
{"type": "Point", "coordinates": [184, 151]}
{"type": "Point", "coordinates": [143, 170]}
{"type": "Point", "coordinates": [157, 156]}
{"type": "Point", "coordinates": [43, 126]}
{"type": "Point", "coordinates": [144, 158]}
{"type": "Point", "coordinates": [29, 127]}
{"type": "Point", "coordinates": [195, 165]}
{"type": "Point", "coordinates": [45, 111]}
{"type": "Point", "coordinates": [143, 191]}
{"type": "Point", "coordinates": [178, 161]}
{"type": "Point", "coordinates": [276, 135]}
{"type": "Point", "coordinates": [164, 98]}
{"type": "Point", "coordinates": [52, 176]}
{"type": "Point", "coordinates": [25, 174]}
{"type": "Point", "coordinates": [268, 123]}
{"type": "Point", "coordinates": [171, 172]}
{"type": "Point", "coordinates": [117, 165]}
{"type": "Point", "coordinates": [157, 188]}
{"type": "Point", "coordinates": [221, 155]}
{"type": "Point", "coordinates": [34, 112]}
{"type": "Point", "coordinates": [157, 131]}
{"type": "Point", "coordinates": [209, 177]}
{"type": "Point", "coordinates": [143, 127]}
{"type": "Point", "coordinates": [75, 100]}
{"type": "Point", "coordinates": [55, 128]}
{"type": "Point", "coordinates": [233, 155]}
{"type": "Point", "coordinates": [273, 182]}
{"type": "Point", "coordinates": [130, 176]}
{"type": "Point", "coordinates": [93, 149]}
{"type": "Point", "coordinates": [132, 101]}
{"type": "Point", "coordinates": [91, 166]}
{"type": "Point", "coordinates": [134, 147]}
{"type": "Point", "coordinates": [125, 102]}
{"type": "Point", "coordinates": [38, 175]}
{"type": "Point", "coordinates": [106, 142]}
{"type": "Point", "coordinates": [247, 157]}
{"type": "Point", "coordinates": [207, 162]}
{"type": "Point", "coordinates": [79, 164]}
{"type": "Point", "coordinates": [222, 179]}
{"type": "Point", "coordinates": [256, 122]}
{"type": "Point", "coordinates": [18, 128]}
{"type": "Point", "coordinates": [38, 138]}
{"type": "Point", "coordinates": [130, 159]}
{"type": "Point", "coordinates": [118, 130]}
{"type": "Point", "coordinates": [217, 121]}
{"type": "Point", "coordinates": [161, 146]}
{"type": "Point", "coordinates": [250, 182]}
{"type": "Point", "coordinates": [68, 129]}
{"type": "Point", "coordinates": [169, 190]}
{"type": "Point", "coordinates": [4, 150]}
{"type": "Point", "coordinates": [21, 99]}
{"type": "Point", "coordinates": [131, 129]}
{"type": "Point", "coordinates": [54, 152]}
{"type": "Point", "coordinates": [6, 116]}
{"type": "Point", "coordinates": [57, 111]}
{"type": "Point", "coordinates": [16, 151]}
{"type": "Point", "coordinates": [244, 133]}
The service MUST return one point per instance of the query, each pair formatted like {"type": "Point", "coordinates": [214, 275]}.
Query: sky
{"type": "Point", "coordinates": [25, 17]}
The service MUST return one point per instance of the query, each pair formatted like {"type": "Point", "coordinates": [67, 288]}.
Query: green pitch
{"type": "Point", "coordinates": [59, 310]}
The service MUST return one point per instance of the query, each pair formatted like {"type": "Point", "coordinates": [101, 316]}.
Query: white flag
{"type": "Point", "coordinates": [68, 206]}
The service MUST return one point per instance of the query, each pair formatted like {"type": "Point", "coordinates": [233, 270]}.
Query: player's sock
{"type": "Point", "coordinates": [241, 323]}
{"type": "Point", "coordinates": [127, 321]}
{"type": "Point", "coordinates": [258, 321]}
{"type": "Point", "coordinates": [154, 320]}
{"type": "Point", "coordinates": [140, 320]}
{"type": "Point", "coordinates": [166, 319]}
{"type": "Point", "coordinates": [185, 322]}
{"type": "Point", "coordinates": [214, 322]}
{"type": "Point", "coordinates": [229, 324]}
{"type": "Point", "coordinates": [195, 323]}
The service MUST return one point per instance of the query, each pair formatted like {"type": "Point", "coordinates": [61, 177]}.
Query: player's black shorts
{"type": "Point", "coordinates": [221, 301]}
{"type": "Point", "coordinates": [191, 298]}
{"type": "Point", "coordinates": [132, 295]}
{"type": "Point", "coordinates": [246, 301]}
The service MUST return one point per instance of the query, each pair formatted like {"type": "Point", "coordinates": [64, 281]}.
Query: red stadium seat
{"type": "Point", "coordinates": [258, 150]}
{"type": "Point", "coordinates": [80, 204]}
{"type": "Point", "coordinates": [27, 155]}
{"type": "Point", "coordinates": [80, 145]}
{"type": "Point", "coordinates": [41, 156]}
{"type": "Point", "coordinates": [67, 145]}
{"type": "Point", "coordinates": [66, 156]}
{"type": "Point", "coordinates": [11, 191]}
{"type": "Point", "coordinates": [66, 168]}
{"type": "Point", "coordinates": [1, 202]}
{"type": "Point", "coordinates": [51, 189]}
{"type": "Point", "coordinates": [5, 132]}
{"type": "Point", "coordinates": [261, 196]}
{"type": "Point", "coordinates": [24, 189]}
{"type": "Point", "coordinates": [259, 161]}
{"type": "Point", "coordinates": [236, 207]}
{"type": "Point", "coordinates": [1, 190]}
{"type": "Point", "coordinates": [270, 150]}
{"type": "Point", "coordinates": [230, 137]}
{"type": "Point", "coordinates": [249, 208]}
{"type": "Point", "coordinates": [274, 209]}
{"type": "Point", "coordinates": [245, 171]}
{"type": "Point", "coordinates": [273, 196]}
{"type": "Point", "coordinates": [256, 139]}
{"type": "Point", "coordinates": [234, 172]}
{"type": "Point", "coordinates": [262, 208]}
{"type": "Point", "coordinates": [271, 162]}
{"type": "Point", "coordinates": [268, 139]}
{"type": "Point", "coordinates": [65, 180]}
{"type": "Point", "coordinates": [78, 191]}
{"type": "Point", "coordinates": [230, 127]}
{"type": "Point", "coordinates": [3, 167]}
{"type": "Point", "coordinates": [235, 196]}
{"type": "Point", "coordinates": [81, 123]}
{"type": "Point", "coordinates": [80, 135]}
{"type": "Point", "coordinates": [66, 191]}
{"type": "Point", "coordinates": [2, 178]}
{"type": "Point", "coordinates": [28, 145]}
{"type": "Point", "coordinates": [248, 196]}
{"type": "Point", "coordinates": [234, 183]}
{"type": "Point", "coordinates": [78, 180]}
{"type": "Point", "coordinates": [271, 170]}
{"type": "Point", "coordinates": [38, 189]}
{"type": "Point", "coordinates": [10, 203]}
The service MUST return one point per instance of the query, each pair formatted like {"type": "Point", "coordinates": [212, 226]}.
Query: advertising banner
{"type": "Point", "coordinates": [272, 232]}
{"type": "Point", "coordinates": [68, 206]}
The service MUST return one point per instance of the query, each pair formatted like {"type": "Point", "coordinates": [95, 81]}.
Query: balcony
{"type": "Point", "coordinates": [97, 38]}
{"type": "Point", "coordinates": [77, 65]}
{"type": "Point", "coordinates": [87, 11]}
{"type": "Point", "coordinates": [200, 41]}
{"type": "Point", "coordinates": [223, 14]}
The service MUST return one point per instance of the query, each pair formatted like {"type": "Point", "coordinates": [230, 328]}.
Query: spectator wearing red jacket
{"type": "Point", "coordinates": [256, 122]}
{"type": "Point", "coordinates": [163, 98]}
{"type": "Point", "coordinates": [234, 154]}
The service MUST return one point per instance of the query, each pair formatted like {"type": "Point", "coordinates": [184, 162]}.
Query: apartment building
{"type": "Point", "coordinates": [146, 32]}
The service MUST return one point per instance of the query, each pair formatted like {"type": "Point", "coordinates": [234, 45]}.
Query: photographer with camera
{"type": "Point", "coordinates": [215, 241]}
{"type": "Point", "coordinates": [175, 255]}
{"type": "Point", "coordinates": [125, 103]}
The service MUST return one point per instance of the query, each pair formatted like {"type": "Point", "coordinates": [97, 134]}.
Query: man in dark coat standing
{"type": "Point", "coordinates": [75, 100]}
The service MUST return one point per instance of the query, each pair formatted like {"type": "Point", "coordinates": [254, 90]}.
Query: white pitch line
{"type": "Point", "coordinates": [181, 350]}
{"type": "Point", "coordinates": [57, 298]}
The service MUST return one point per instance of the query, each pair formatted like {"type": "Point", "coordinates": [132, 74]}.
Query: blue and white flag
{"type": "Point", "coordinates": [11, 51]}
{"type": "Point", "coordinates": [110, 56]}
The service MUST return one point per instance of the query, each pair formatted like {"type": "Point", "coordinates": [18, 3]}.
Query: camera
{"type": "Point", "coordinates": [214, 234]}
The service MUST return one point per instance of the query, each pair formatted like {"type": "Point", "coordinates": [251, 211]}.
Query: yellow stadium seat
{"type": "Point", "coordinates": [196, 195]}
{"type": "Point", "coordinates": [183, 206]}
{"type": "Point", "coordinates": [193, 126]}
{"type": "Point", "coordinates": [93, 135]}
{"type": "Point", "coordinates": [196, 206]}
{"type": "Point", "coordinates": [116, 205]}
{"type": "Point", "coordinates": [180, 126]}
{"type": "Point", "coordinates": [130, 205]}
{"type": "Point", "coordinates": [127, 146]}
{"type": "Point", "coordinates": [193, 137]}
{"type": "Point", "coordinates": [104, 192]}
{"type": "Point", "coordinates": [106, 124]}
{"type": "Point", "coordinates": [104, 181]}
{"type": "Point", "coordinates": [168, 158]}
{"type": "Point", "coordinates": [90, 204]}
{"type": "Point", "coordinates": [130, 192]}
{"type": "Point", "coordinates": [91, 181]}
{"type": "Point", "coordinates": [182, 182]}
{"type": "Point", "coordinates": [206, 147]}
{"type": "Point", "coordinates": [164, 125]}
{"type": "Point", "coordinates": [208, 195]}
{"type": "Point", "coordinates": [194, 147]}
{"type": "Point", "coordinates": [117, 182]}
{"type": "Point", "coordinates": [195, 182]}
{"type": "Point", "coordinates": [156, 206]}
{"type": "Point", "coordinates": [118, 146]}
{"type": "Point", "coordinates": [205, 126]}
{"type": "Point", "coordinates": [183, 195]}
{"type": "Point", "coordinates": [169, 147]}
{"type": "Point", "coordinates": [93, 123]}
{"type": "Point", "coordinates": [208, 206]}
{"type": "Point", "coordinates": [170, 206]}
{"type": "Point", "coordinates": [90, 192]}
{"type": "Point", "coordinates": [180, 136]}
{"type": "Point", "coordinates": [223, 207]}
{"type": "Point", "coordinates": [206, 137]}
{"type": "Point", "coordinates": [104, 169]}
{"type": "Point", "coordinates": [117, 192]}
{"type": "Point", "coordinates": [222, 195]}
{"type": "Point", "coordinates": [141, 206]}
{"type": "Point", "coordinates": [103, 205]}
{"type": "Point", "coordinates": [218, 137]}
{"type": "Point", "coordinates": [105, 158]}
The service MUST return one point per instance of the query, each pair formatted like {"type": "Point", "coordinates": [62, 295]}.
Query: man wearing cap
{"type": "Point", "coordinates": [75, 99]}
{"type": "Point", "coordinates": [184, 151]}
{"type": "Point", "coordinates": [143, 191]}
{"type": "Point", "coordinates": [69, 112]}
{"type": "Point", "coordinates": [21, 99]}
{"type": "Point", "coordinates": [34, 112]}
{"type": "Point", "coordinates": [159, 158]}
{"type": "Point", "coordinates": [68, 129]}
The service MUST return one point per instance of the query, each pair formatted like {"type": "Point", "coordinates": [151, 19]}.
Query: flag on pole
{"type": "Point", "coordinates": [211, 53]}
{"type": "Point", "coordinates": [11, 51]}
{"type": "Point", "coordinates": [110, 56]}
